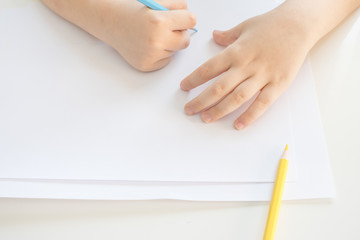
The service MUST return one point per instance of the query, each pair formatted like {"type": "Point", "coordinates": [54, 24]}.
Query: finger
{"type": "Point", "coordinates": [173, 4]}
{"type": "Point", "coordinates": [225, 38]}
{"type": "Point", "coordinates": [162, 62]}
{"type": "Point", "coordinates": [178, 40]}
{"type": "Point", "coordinates": [266, 97]}
{"type": "Point", "coordinates": [159, 64]}
{"type": "Point", "coordinates": [180, 19]}
{"type": "Point", "coordinates": [241, 94]}
{"type": "Point", "coordinates": [154, 63]}
{"type": "Point", "coordinates": [213, 94]}
{"type": "Point", "coordinates": [210, 69]}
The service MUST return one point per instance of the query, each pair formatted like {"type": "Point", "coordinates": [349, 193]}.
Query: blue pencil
{"type": "Point", "coordinates": [155, 6]}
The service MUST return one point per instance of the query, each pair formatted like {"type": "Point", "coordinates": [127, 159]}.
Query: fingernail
{"type": "Point", "coordinates": [182, 85]}
{"type": "Point", "coordinates": [239, 126]}
{"type": "Point", "coordinates": [206, 117]}
{"type": "Point", "coordinates": [189, 111]}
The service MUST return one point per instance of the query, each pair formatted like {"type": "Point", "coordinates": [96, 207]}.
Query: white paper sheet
{"type": "Point", "coordinates": [73, 109]}
{"type": "Point", "coordinates": [314, 181]}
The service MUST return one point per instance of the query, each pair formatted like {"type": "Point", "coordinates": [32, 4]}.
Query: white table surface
{"type": "Point", "coordinates": [336, 66]}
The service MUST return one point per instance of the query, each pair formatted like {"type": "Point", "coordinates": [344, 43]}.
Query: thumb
{"type": "Point", "coordinates": [225, 38]}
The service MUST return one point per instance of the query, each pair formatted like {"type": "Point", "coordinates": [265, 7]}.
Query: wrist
{"type": "Point", "coordinates": [299, 23]}
{"type": "Point", "coordinates": [105, 15]}
{"type": "Point", "coordinates": [115, 20]}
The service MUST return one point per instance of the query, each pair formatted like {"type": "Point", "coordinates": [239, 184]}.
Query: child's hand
{"type": "Point", "coordinates": [146, 38]}
{"type": "Point", "coordinates": [263, 54]}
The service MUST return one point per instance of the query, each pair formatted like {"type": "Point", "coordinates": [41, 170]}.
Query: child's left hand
{"type": "Point", "coordinates": [263, 54]}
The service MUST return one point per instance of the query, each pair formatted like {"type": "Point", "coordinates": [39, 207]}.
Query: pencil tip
{"type": "Point", "coordinates": [286, 147]}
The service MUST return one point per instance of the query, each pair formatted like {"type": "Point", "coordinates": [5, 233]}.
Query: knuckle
{"type": "Point", "coordinates": [251, 114]}
{"type": "Point", "coordinates": [145, 65]}
{"type": "Point", "coordinates": [187, 84]}
{"type": "Point", "coordinates": [154, 44]}
{"type": "Point", "coordinates": [282, 82]}
{"type": "Point", "coordinates": [277, 82]}
{"type": "Point", "coordinates": [264, 101]}
{"type": "Point", "coordinates": [218, 89]}
{"type": "Point", "coordinates": [240, 97]}
{"type": "Point", "coordinates": [235, 49]}
{"type": "Point", "coordinates": [234, 53]}
{"type": "Point", "coordinates": [204, 71]}
{"type": "Point", "coordinates": [197, 105]}
{"type": "Point", "coordinates": [239, 53]}
{"type": "Point", "coordinates": [248, 118]}
{"type": "Point", "coordinates": [192, 19]}
{"type": "Point", "coordinates": [156, 20]}
{"type": "Point", "coordinates": [217, 112]}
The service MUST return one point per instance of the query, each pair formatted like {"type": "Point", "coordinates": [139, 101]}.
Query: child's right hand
{"type": "Point", "coordinates": [146, 38]}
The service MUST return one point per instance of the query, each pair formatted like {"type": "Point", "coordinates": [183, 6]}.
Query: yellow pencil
{"type": "Point", "coordinates": [276, 197]}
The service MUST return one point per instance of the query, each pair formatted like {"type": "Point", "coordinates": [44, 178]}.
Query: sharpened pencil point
{"type": "Point", "coordinates": [286, 147]}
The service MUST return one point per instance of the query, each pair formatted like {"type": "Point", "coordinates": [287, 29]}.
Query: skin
{"type": "Point", "coordinates": [263, 55]}
{"type": "Point", "coordinates": [145, 38]}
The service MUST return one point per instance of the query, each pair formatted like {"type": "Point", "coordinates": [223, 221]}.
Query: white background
{"type": "Point", "coordinates": [336, 65]}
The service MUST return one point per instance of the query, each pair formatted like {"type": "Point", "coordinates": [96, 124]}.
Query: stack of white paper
{"type": "Point", "coordinates": [78, 122]}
